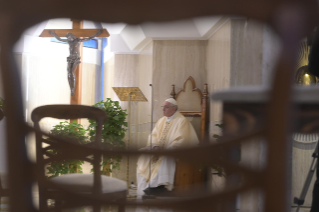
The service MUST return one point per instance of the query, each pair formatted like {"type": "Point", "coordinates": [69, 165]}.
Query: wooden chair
{"type": "Point", "coordinates": [192, 103]}
{"type": "Point", "coordinates": [94, 185]}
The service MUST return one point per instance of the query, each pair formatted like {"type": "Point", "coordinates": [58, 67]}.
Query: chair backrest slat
{"type": "Point", "coordinates": [70, 112]}
{"type": "Point", "coordinates": [67, 112]}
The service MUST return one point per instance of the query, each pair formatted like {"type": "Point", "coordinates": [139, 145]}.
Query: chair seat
{"type": "Point", "coordinates": [84, 183]}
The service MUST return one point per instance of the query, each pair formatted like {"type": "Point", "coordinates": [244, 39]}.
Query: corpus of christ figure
{"type": "Point", "coordinates": [75, 58]}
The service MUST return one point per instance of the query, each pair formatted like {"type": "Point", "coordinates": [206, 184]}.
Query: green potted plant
{"type": "Point", "coordinates": [113, 132]}
{"type": "Point", "coordinates": [75, 132]}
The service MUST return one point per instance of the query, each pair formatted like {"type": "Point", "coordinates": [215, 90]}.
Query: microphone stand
{"type": "Point", "coordinates": [300, 201]}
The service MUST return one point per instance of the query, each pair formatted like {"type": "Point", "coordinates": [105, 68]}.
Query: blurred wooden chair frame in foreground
{"type": "Point", "coordinates": [291, 19]}
{"type": "Point", "coordinates": [186, 175]}
{"type": "Point", "coordinates": [95, 184]}
{"type": "Point", "coordinates": [4, 191]}
{"type": "Point", "coordinates": [1, 114]}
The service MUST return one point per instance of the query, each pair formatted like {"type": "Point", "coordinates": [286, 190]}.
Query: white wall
{"type": "Point", "coordinates": [44, 79]}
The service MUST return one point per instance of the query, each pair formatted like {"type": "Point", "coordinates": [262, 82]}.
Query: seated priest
{"type": "Point", "coordinates": [171, 131]}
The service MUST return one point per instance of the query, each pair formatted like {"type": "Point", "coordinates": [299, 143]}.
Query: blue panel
{"type": "Point", "coordinates": [57, 41]}
{"type": "Point", "coordinates": [90, 44]}
{"type": "Point", "coordinates": [104, 44]}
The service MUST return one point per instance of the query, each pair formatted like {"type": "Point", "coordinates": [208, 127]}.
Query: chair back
{"type": "Point", "coordinates": [194, 105]}
{"type": "Point", "coordinates": [68, 112]}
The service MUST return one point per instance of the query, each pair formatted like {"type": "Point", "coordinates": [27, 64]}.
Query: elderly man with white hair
{"type": "Point", "coordinates": [171, 131]}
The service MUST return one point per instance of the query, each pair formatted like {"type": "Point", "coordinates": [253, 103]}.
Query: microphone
{"type": "Point", "coordinates": [313, 58]}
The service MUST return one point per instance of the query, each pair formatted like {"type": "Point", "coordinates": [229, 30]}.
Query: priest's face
{"type": "Point", "coordinates": [168, 109]}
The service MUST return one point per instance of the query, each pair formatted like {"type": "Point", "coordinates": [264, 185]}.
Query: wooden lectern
{"type": "Point", "coordinates": [129, 94]}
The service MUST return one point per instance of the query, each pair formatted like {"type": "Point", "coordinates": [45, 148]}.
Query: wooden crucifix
{"type": "Point", "coordinates": [75, 39]}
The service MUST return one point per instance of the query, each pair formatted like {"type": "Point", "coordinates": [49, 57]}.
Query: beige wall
{"type": "Point", "coordinates": [91, 83]}
{"type": "Point", "coordinates": [173, 63]}
{"type": "Point", "coordinates": [91, 86]}
{"type": "Point", "coordinates": [131, 70]}
{"type": "Point", "coordinates": [246, 69]}
{"type": "Point", "coordinates": [218, 77]}
{"type": "Point", "coordinates": [218, 70]}
{"type": "Point", "coordinates": [143, 125]}
{"type": "Point", "coordinates": [235, 58]}
{"type": "Point", "coordinates": [246, 52]}
{"type": "Point", "coordinates": [108, 78]}
{"type": "Point", "coordinates": [126, 75]}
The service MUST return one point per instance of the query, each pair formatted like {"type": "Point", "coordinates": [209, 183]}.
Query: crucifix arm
{"type": "Point", "coordinates": [56, 36]}
{"type": "Point", "coordinates": [93, 36]}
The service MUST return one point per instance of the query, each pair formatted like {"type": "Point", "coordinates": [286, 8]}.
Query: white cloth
{"type": "Point", "coordinates": [165, 176]}
{"type": "Point", "coordinates": [175, 133]}
{"type": "Point", "coordinates": [168, 119]}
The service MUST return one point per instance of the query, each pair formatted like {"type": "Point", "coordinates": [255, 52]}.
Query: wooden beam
{"type": "Point", "coordinates": [77, 32]}
{"type": "Point", "coordinates": [77, 24]}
